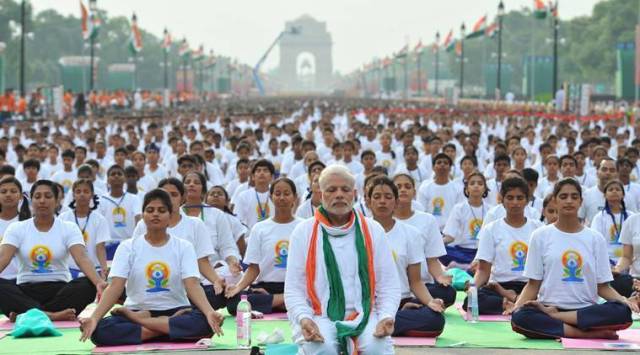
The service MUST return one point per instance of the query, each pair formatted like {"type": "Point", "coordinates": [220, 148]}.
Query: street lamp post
{"type": "Point", "coordinates": [23, 11]}
{"type": "Point", "coordinates": [556, 26]}
{"type": "Point", "coordinates": [437, 61]}
{"type": "Point", "coordinates": [166, 60]}
{"type": "Point", "coordinates": [463, 28]}
{"type": "Point", "coordinates": [93, 7]}
{"type": "Point", "coordinates": [499, 82]}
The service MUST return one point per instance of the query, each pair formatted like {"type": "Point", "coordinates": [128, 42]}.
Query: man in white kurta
{"type": "Point", "coordinates": [313, 328]}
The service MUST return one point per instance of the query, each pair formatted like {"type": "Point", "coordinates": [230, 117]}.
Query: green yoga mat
{"type": "Point", "coordinates": [228, 340]}
{"type": "Point", "coordinates": [68, 343]}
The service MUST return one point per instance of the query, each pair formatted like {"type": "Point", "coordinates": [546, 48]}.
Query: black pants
{"type": "Point", "coordinates": [445, 293]}
{"type": "Point", "coordinates": [490, 302]}
{"type": "Point", "coordinates": [534, 323]}
{"type": "Point", "coordinates": [418, 322]}
{"type": "Point", "coordinates": [47, 296]}
{"type": "Point", "coordinates": [623, 284]}
{"type": "Point", "coordinates": [264, 302]}
{"type": "Point", "coordinates": [220, 301]}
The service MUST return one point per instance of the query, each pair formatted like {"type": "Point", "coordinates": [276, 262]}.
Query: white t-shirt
{"type": "Point", "coordinates": [505, 247]}
{"type": "Point", "coordinates": [220, 233]}
{"type": "Point", "coordinates": [439, 200]}
{"type": "Point", "coordinates": [407, 250]}
{"type": "Point", "coordinates": [433, 244]}
{"type": "Point", "coordinates": [155, 274]}
{"type": "Point", "coordinates": [252, 207]}
{"type": "Point", "coordinates": [11, 271]}
{"type": "Point", "coordinates": [42, 256]}
{"type": "Point", "coordinates": [570, 265]}
{"type": "Point", "coordinates": [306, 209]}
{"type": "Point", "coordinates": [592, 203]}
{"type": "Point", "coordinates": [120, 213]}
{"type": "Point", "coordinates": [94, 229]}
{"type": "Point", "coordinates": [464, 224]}
{"type": "Point", "coordinates": [632, 196]}
{"type": "Point", "coordinates": [631, 236]}
{"type": "Point", "coordinates": [268, 247]}
{"type": "Point", "coordinates": [498, 212]}
{"type": "Point", "coordinates": [603, 223]}
{"type": "Point", "coordinates": [65, 178]}
{"type": "Point", "coordinates": [237, 228]}
{"type": "Point", "coordinates": [191, 229]}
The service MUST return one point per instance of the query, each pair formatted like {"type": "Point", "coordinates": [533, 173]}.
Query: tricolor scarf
{"type": "Point", "coordinates": [347, 326]}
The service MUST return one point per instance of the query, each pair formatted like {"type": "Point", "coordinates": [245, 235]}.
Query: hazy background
{"type": "Point", "coordinates": [361, 29]}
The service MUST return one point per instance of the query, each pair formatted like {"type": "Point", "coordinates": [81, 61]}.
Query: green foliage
{"type": "Point", "coordinates": [586, 55]}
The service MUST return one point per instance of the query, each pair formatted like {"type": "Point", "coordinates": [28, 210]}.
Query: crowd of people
{"type": "Point", "coordinates": [347, 214]}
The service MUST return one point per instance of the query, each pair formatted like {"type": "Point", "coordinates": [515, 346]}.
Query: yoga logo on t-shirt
{"type": "Point", "coordinates": [572, 266]}
{"type": "Point", "coordinates": [518, 252]}
{"type": "Point", "coordinates": [40, 259]}
{"type": "Point", "coordinates": [282, 251]}
{"type": "Point", "coordinates": [119, 217]}
{"type": "Point", "coordinates": [157, 276]}
{"type": "Point", "coordinates": [66, 185]}
{"type": "Point", "coordinates": [438, 206]}
{"type": "Point", "coordinates": [474, 227]}
{"type": "Point", "coordinates": [614, 236]}
{"type": "Point", "coordinates": [262, 211]}
{"type": "Point", "coordinates": [85, 236]}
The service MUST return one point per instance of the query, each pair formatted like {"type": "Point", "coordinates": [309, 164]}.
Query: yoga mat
{"type": "Point", "coordinates": [629, 340]}
{"type": "Point", "coordinates": [413, 341]}
{"type": "Point", "coordinates": [6, 325]}
{"type": "Point", "coordinates": [68, 343]}
{"type": "Point", "coordinates": [483, 317]}
{"type": "Point", "coordinates": [281, 349]}
{"type": "Point", "coordinates": [148, 347]}
{"type": "Point", "coordinates": [460, 333]}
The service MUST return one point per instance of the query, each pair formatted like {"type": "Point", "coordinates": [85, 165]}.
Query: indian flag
{"type": "Point", "coordinates": [166, 41]}
{"type": "Point", "coordinates": [198, 55]}
{"type": "Point", "coordinates": [90, 23]}
{"type": "Point", "coordinates": [403, 52]}
{"type": "Point", "coordinates": [458, 46]}
{"type": "Point", "coordinates": [135, 41]}
{"type": "Point", "coordinates": [491, 30]}
{"type": "Point", "coordinates": [479, 28]}
{"type": "Point", "coordinates": [184, 51]}
{"type": "Point", "coordinates": [539, 9]}
{"type": "Point", "coordinates": [449, 42]}
{"type": "Point", "coordinates": [418, 48]}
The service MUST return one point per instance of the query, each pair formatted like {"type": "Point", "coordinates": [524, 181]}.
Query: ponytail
{"type": "Point", "coordinates": [24, 212]}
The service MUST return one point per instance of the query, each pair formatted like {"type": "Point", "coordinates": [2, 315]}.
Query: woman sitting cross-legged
{"type": "Point", "coordinates": [502, 251]}
{"type": "Point", "coordinates": [267, 252]}
{"type": "Point", "coordinates": [568, 269]}
{"type": "Point", "coordinates": [42, 246]}
{"type": "Point", "coordinates": [420, 314]}
{"type": "Point", "coordinates": [161, 275]}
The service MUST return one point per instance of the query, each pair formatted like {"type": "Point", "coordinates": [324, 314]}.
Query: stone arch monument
{"type": "Point", "coordinates": [306, 63]}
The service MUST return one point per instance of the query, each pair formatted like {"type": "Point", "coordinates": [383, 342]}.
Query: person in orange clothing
{"type": "Point", "coordinates": [21, 107]}
{"type": "Point", "coordinates": [7, 105]}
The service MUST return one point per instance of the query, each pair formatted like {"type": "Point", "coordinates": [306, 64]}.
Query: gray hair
{"type": "Point", "coordinates": [336, 170]}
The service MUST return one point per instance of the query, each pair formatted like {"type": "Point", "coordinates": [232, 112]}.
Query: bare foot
{"type": "Point", "coordinates": [130, 314]}
{"type": "Point", "coordinates": [507, 305]}
{"type": "Point", "coordinates": [510, 295]}
{"type": "Point", "coordinates": [12, 317]}
{"type": "Point", "coordinates": [66, 314]}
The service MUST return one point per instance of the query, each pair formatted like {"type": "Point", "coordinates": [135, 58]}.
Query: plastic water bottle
{"type": "Point", "coordinates": [243, 323]}
{"type": "Point", "coordinates": [473, 313]}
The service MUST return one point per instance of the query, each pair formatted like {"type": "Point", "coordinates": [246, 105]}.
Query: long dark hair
{"type": "Point", "coordinates": [95, 198]}
{"type": "Point", "coordinates": [225, 209]}
{"type": "Point", "coordinates": [24, 212]}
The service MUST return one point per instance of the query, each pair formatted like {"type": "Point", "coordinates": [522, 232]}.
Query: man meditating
{"type": "Point", "coordinates": [341, 287]}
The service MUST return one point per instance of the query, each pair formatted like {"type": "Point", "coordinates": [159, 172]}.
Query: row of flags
{"type": "Point", "coordinates": [90, 25]}
{"type": "Point", "coordinates": [481, 28]}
